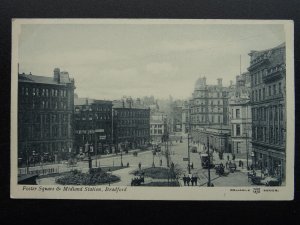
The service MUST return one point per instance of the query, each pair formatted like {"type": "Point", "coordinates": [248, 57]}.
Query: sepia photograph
{"type": "Point", "coordinates": [152, 109]}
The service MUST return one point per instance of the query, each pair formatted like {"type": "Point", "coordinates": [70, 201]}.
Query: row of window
{"type": "Point", "coordinates": [133, 122]}
{"type": "Point", "coordinates": [272, 112]}
{"type": "Point", "coordinates": [156, 126]}
{"type": "Point", "coordinates": [43, 118]}
{"type": "Point", "coordinates": [272, 135]}
{"type": "Point", "coordinates": [212, 103]}
{"type": "Point", "coordinates": [209, 109]}
{"type": "Point", "coordinates": [205, 94]}
{"type": "Point", "coordinates": [156, 132]}
{"type": "Point", "coordinates": [96, 116]}
{"type": "Point", "coordinates": [92, 108]}
{"type": "Point", "coordinates": [260, 94]}
{"type": "Point", "coordinates": [206, 118]}
{"type": "Point", "coordinates": [45, 104]}
{"type": "Point", "coordinates": [131, 113]}
{"type": "Point", "coordinates": [36, 92]}
{"type": "Point", "coordinates": [36, 132]}
{"type": "Point", "coordinates": [131, 132]}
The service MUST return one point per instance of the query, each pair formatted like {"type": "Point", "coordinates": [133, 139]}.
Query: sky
{"type": "Point", "coordinates": [109, 61]}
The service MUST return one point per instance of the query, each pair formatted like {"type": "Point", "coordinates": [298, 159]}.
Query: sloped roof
{"type": "Point", "coordinates": [29, 78]}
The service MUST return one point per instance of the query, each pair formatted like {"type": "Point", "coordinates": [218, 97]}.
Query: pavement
{"type": "Point", "coordinates": [178, 151]}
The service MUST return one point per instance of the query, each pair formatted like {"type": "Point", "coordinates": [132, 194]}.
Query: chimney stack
{"type": "Point", "coordinates": [220, 82]}
{"type": "Point", "coordinates": [57, 75]}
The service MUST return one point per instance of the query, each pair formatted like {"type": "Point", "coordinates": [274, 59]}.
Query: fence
{"type": "Point", "coordinates": [46, 171]}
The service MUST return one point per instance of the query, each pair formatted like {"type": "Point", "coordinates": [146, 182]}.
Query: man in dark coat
{"type": "Point", "coordinates": [184, 180]}
{"type": "Point", "coordinates": [188, 179]}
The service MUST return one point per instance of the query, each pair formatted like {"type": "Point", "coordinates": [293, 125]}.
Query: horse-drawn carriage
{"type": "Point", "coordinates": [136, 181]}
{"type": "Point", "coordinates": [220, 170]}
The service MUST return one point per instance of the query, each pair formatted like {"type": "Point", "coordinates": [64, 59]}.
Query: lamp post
{"type": "Point", "coordinates": [247, 153]}
{"type": "Point", "coordinates": [109, 174]}
{"type": "Point", "coordinates": [121, 151]}
{"type": "Point", "coordinates": [153, 154]}
{"type": "Point", "coordinates": [252, 158]}
{"type": "Point", "coordinates": [189, 131]}
{"type": "Point", "coordinates": [208, 183]}
{"type": "Point", "coordinates": [89, 155]}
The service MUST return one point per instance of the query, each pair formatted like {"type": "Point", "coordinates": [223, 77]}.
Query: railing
{"type": "Point", "coordinates": [46, 171]}
{"type": "Point", "coordinates": [274, 75]}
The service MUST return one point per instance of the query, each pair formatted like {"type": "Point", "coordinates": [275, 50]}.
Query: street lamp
{"type": "Point", "coordinates": [109, 174]}
{"type": "Point", "coordinates": [153, 153]}
{"type": "Point", "coordinates": [121, 151]}
{"type": "Point", "coordinates": [246, 136]}
{"type": "Point", "coordinates": [253, 158]}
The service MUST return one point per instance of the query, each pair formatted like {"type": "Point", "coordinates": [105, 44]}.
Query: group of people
{"type": "Point", "coordinates": [190, 179]}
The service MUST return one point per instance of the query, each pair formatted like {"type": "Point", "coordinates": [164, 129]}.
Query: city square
{"type": "Point", "coordinates": [145, 122]}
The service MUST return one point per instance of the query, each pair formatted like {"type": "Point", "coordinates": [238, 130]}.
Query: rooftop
{"type": "Point", "coordinates": [30, 78]}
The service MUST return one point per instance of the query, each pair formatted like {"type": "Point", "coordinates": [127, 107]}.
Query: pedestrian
{"type": "Point", "coordinates": [192, 165]}
{"type": "Point", "coordinates": [160, 162]}
{"type": "Point", "coordinates": [140, 165]}
{"type": "Point", "coordinates": [128, 164]}
{"type": "Point", "coordinates": [192, 180]}
{"type": "Point", "coordinates": [184, 180]}
{"type": "Point", "coordinates": [188, 179]}
{"type": "Point", "coordinates": [196, 178]}
{"type": "Point", "coordinates": [227, 157]}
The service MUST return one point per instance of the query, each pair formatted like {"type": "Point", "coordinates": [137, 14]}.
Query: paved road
{"type": "Point", "coordinates": [178, 151]}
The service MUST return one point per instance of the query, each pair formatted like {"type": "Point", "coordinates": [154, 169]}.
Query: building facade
{"type": "Point", "coordinates": [209, 110]}
{"type": "Point", "coordinates": [176, 116]}
{"type": "Point", "coordinates": [45, 115]}
{"type": "Point", "coordinates": [131, 124]}
{"type": "Point", "coordinates": [93, 125]}
{"type": "Point", "coordinates": [268, 102]}
{"type": "Point", "coordinates": [209, 105]}
{"type": "Point", "coordinates": [240, 117]}
{"type": "Point", "coordinates": [158, 126]}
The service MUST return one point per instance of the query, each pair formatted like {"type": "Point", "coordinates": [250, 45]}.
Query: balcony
{"type": "Point", "coordinates": [274, 96]}
{"type": "Point", "coordinates": [274, 74]}
{"type": "Point", "coordinates": [258, 62]}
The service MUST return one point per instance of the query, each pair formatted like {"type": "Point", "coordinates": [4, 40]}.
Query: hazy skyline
{"type": "Point", "coordinates": [108, 61]}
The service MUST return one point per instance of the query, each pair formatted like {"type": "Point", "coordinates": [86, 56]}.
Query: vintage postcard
{"type": "Point", "coordinates": [156, 109]}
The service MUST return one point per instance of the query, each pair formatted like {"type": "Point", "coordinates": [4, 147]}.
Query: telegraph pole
{"type": "Point", "coordinates": [189, 159]}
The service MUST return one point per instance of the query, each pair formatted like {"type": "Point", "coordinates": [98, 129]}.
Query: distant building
{"type": "Point", "coordinates": [209, 105]}
{"type": "Point", "coordinates": [209, 113]}
{"type": "Point", "coordinates": [185, 117]}
{"type": "Point", "coordinates": [45, 117]}
{"type": "Point", "coordinates": [268, 101]}
{"type": "Point", "coordinates": [158, 126]}
{"type": "Point", "coordinates": [176, 116]}
{"type": "Point", "coordinates": [240, 117]}
{"type": "Point", "coordinates": [93, 125]}
{"type": "Point", "coordinates": [131, 124]}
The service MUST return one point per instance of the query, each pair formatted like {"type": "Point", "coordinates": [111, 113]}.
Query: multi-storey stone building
{"type": "Point", "coordinates": [45, 115]}
{"type": "Point", "coordinates": [209, 109]}
{"type": "Point", "coordinates": [176, 116]}
{"type": "Point", "coordinates": [158, 126]}
{"type": "Point", "coordinates": [131, 124]}
{"type": "Point", "coordinates": [93, 125]}
{"type": "Point", "coordinates": [268, 101]}
{"type": "Point", "coordinates": [240, 117]}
